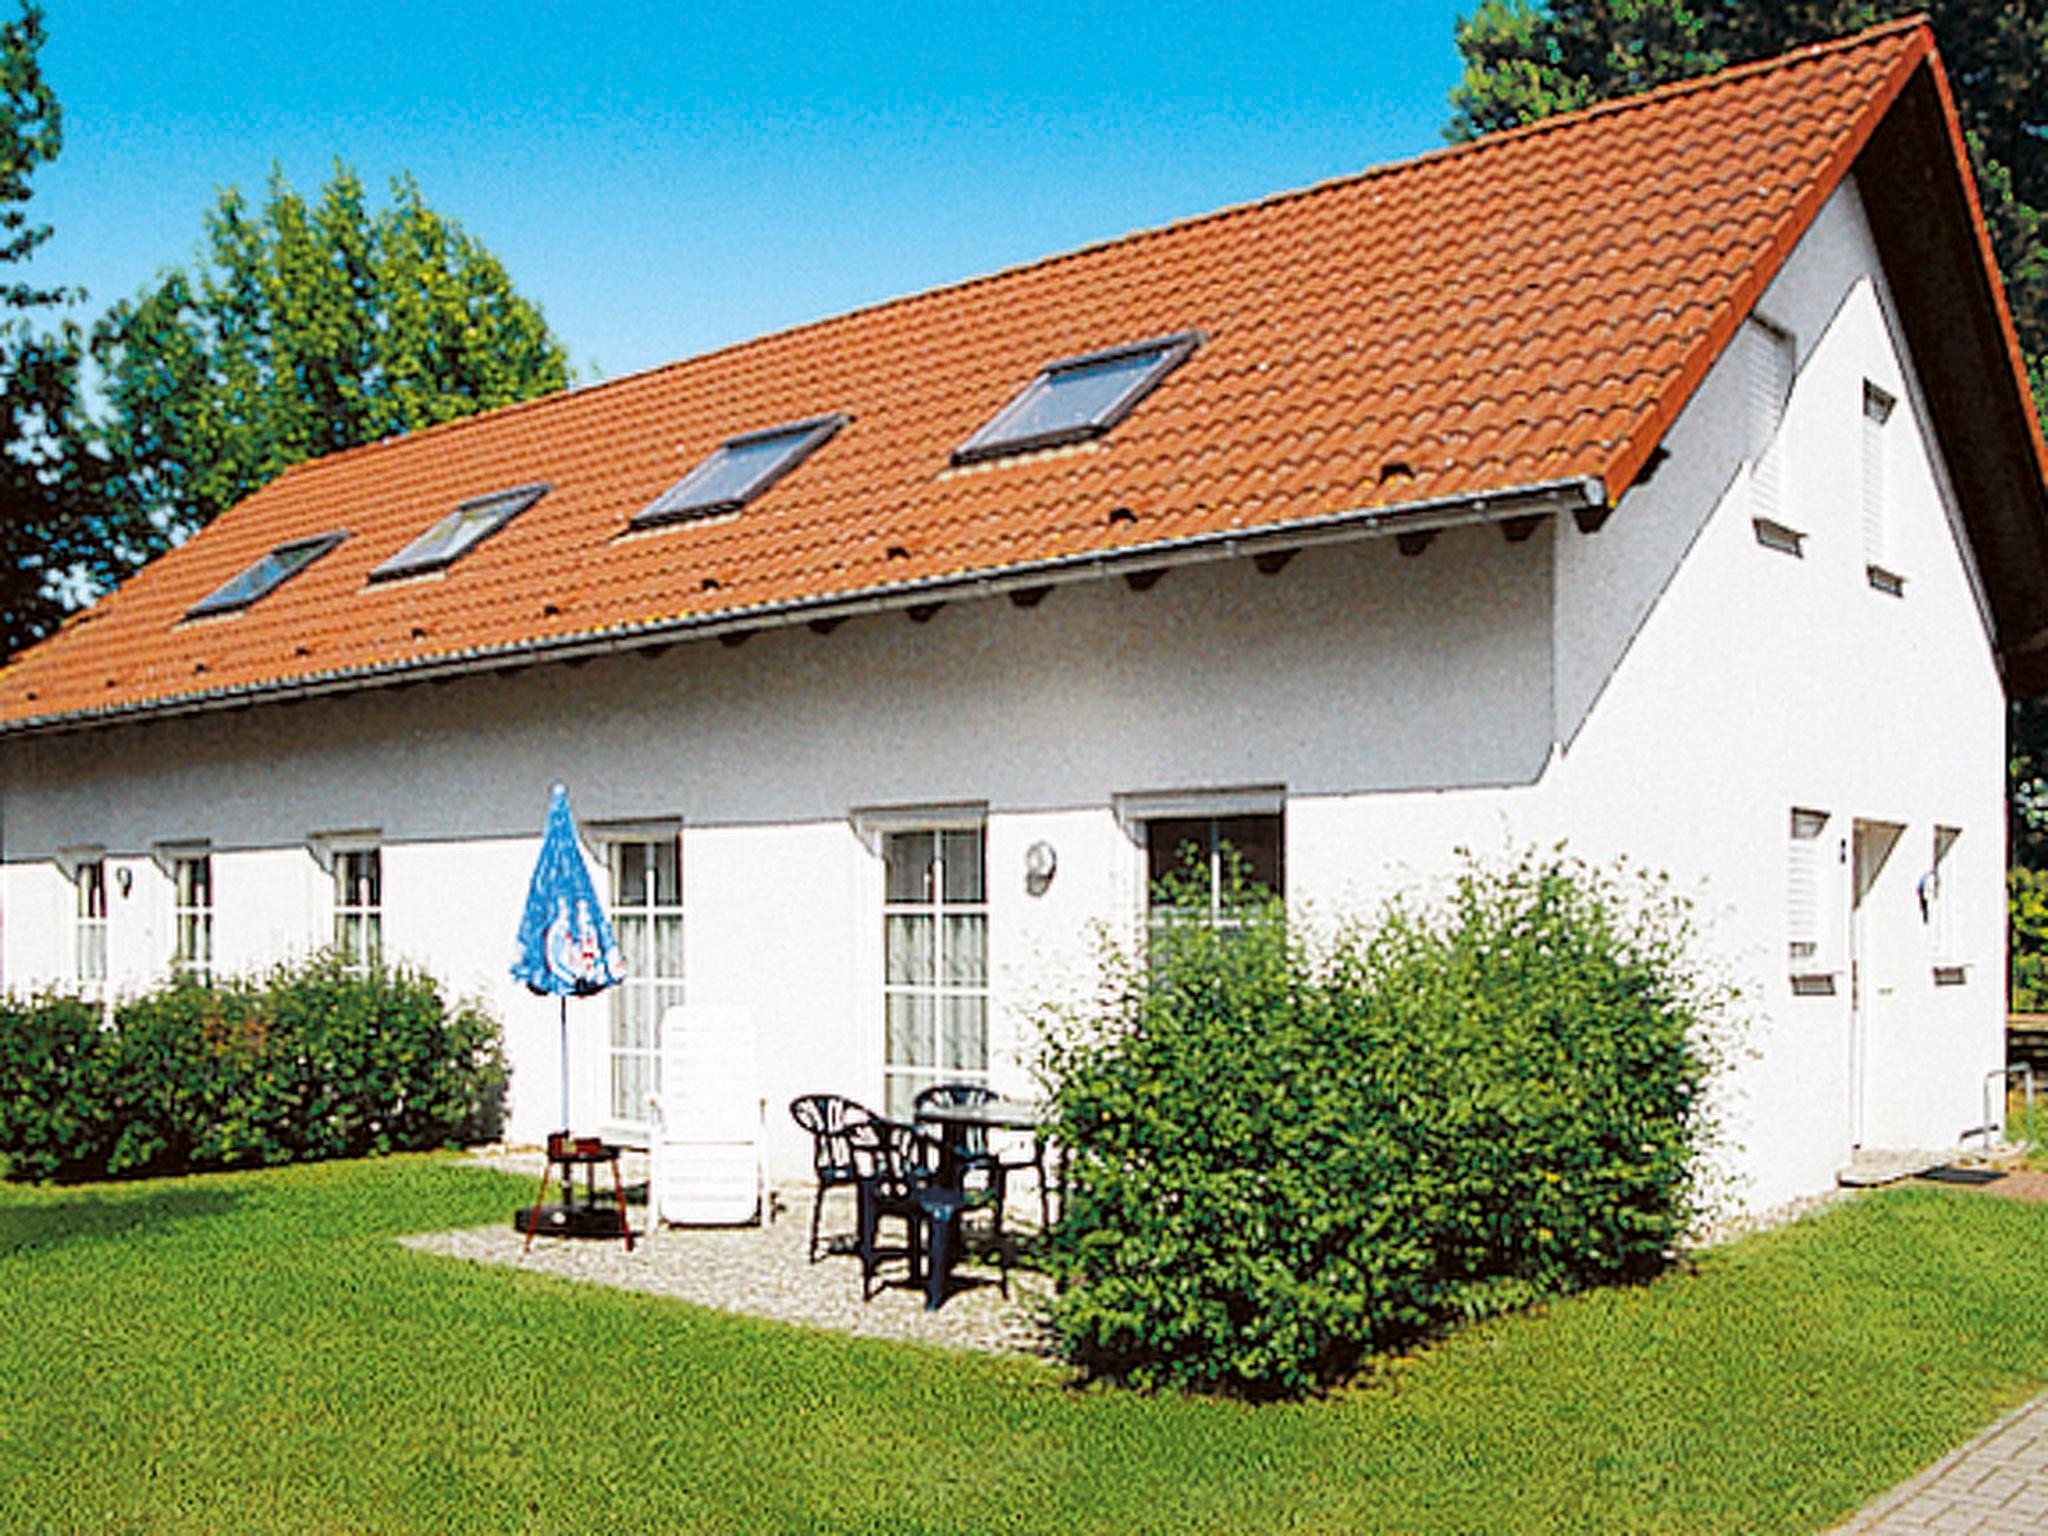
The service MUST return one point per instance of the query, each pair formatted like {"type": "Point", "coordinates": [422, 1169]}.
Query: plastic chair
{"type": "Point", "coordinates": [830, 1119]}
{"type": "Point", "coordinates": [900, 1177]}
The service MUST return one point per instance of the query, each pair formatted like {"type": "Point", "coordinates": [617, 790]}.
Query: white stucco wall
{"type": "Point", "coordinates": [1771, 681]}
{"type": "Point", "coordinates": [1666, 687]}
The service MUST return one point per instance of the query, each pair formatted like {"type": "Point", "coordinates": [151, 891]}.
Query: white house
{"type": "Point", "coordinates": [1659, 478]}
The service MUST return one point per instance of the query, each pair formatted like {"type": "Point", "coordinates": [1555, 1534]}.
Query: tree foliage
{"type": "Point", "coordinates": [52, 527]}
{"type": "Point", "coordinates": [303, 328]}
{"type": "Point", "coordinates": [1525, 60]}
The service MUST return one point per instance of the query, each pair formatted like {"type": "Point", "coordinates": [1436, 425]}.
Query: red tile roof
{"type": "Point", "coordinates": [1530, 311]}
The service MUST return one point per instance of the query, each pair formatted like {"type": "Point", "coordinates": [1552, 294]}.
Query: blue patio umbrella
{"type": "Point", "coordinates": [566, 948]}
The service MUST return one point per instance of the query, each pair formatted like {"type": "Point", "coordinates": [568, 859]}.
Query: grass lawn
{"type": "Point", "coordinates": [250, 1352]}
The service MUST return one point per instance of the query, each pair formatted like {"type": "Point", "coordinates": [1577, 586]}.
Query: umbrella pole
{"type": "Point", "coordinates": [564, 1001]}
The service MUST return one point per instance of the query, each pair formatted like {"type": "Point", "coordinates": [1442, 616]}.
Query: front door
{"type": "Point", "coordinates": [1872, 846]}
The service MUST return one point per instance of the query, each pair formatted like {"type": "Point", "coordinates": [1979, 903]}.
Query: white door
{"type": "Point", "coordinates": [1869, 970]}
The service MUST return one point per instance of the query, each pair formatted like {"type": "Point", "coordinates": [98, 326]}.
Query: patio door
{"type": "Point", "coordinates": [935, 972]}
{"type": "Point", "coordinates": [647, 917]}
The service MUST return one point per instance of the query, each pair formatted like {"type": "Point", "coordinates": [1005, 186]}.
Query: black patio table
{"type": "Point", "coordinates": [956, 1121]}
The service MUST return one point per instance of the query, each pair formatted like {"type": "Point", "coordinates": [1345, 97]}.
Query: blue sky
{"type": "Point", "coordinates": [664, 179]}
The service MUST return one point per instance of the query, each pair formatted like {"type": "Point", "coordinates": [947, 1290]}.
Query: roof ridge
{"type": "Point", "coordinates": [1564, 120]}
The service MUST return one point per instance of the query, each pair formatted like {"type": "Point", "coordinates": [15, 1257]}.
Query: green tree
{"type": "Point", "coordinates": [1525, 60]}
{"type": "Point", "coordinates": [54, 530]}
{"type": "Point", "coordinates": [303, 328]}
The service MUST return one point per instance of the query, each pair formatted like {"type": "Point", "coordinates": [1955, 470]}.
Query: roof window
{"type": "Point", "coordinates": [739, 470]}
{"type": "Point", "coordinates": [460, 531]}
{"type": "Point", "coordinates": [265, 576]}
{"type": "Point", "coordinates": [1078, 398]}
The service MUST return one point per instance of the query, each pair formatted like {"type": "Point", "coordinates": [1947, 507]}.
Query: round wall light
{"type": "Point", "coordinates": [1040, 864]}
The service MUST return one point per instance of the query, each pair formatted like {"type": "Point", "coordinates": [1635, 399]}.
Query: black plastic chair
{"type": "Point", "coordinates": [830, 1119]}
{"type": "Point", "coordinates": [970, 1146]}
{"type": "Point", "coordinates": [900, 1177]}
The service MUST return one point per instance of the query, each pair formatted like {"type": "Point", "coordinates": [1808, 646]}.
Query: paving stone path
{"type": "Point", "coordinates": [1997, 1485]}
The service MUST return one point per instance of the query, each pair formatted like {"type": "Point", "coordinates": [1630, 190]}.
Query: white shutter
{"type": "Point", "coordinates": [1769, 368]}
{"type": "Point", "coordinates": [707, 1141]}
{"type": "Point", "coordinates": [1941, 901]}
{"type": "Point", "coordinates": [1877, 410]}
{"type": "Point", "coordinates": [1806, 885]}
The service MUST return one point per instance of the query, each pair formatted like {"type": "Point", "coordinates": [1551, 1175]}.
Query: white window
{"type": "Point", "coordinates": [1876, 519]}
{"type": "Point", "coordinates": [89, 934]}
{"type": "Point", "coordinates": [1769, 358]}
{"type": "Point", "coordinates": [359, 907]}
{"type": "Point", "coordinates": [1938, 902]}
{"type": "Point", "coordinates": [192, 915]}
{"type": "Point", "coordinates": [935, 975]}
{"type": "Point", "coordinates": [1203, 858]}
{"type": "Point", "coordinates": [1810, 902]}
{"type": "Point", "coordinates": [647, 918]}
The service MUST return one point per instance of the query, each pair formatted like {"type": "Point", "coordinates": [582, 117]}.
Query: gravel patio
{"type": "Point", "coordinates": [764, 1271]}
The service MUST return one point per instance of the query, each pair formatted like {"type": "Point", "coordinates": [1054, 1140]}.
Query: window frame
{"type": "Point", "coordinates": [199, 914]}
{"type": "Point", "coordinates": [89, 876]}
{"type": "Point", "coordinates": [989, 441]}
{"type": "Point", "coordinates": [413, 560]}
{"type": "Point", "coordinates": [1139, 812]}
{"type": "Point", "coordinates": [938, 909]}
{"type": "Point", "coordinates": [219, 602]}
{"type": "Point", "coordinates": [610, 841]}
{"type": "Point", "coordinates": [674, 506]}
{"type": "Point", "coordinates": [359, 959]}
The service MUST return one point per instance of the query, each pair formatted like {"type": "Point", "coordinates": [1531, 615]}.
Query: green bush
{"type": "Point", "coordinates": [1282, 1157]}
{"type": "Point", "coordinates": [56, 1118]}
{"type": "Point", "coordinates": [2027, 908]}
{"type": "Point", "coordinates": [307, 1062]}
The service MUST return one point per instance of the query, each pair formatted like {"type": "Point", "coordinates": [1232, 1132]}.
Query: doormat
{"type": "Point", "coordinates": [1949, 1173]}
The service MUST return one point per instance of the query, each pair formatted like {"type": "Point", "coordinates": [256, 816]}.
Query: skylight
{"type": "Point", "coordinates": [265, 576]}
{"type": "Point", "coordinates": [1078, 398]}
{"type": "Point", "coordinates": [459, 532]}
{"type": "Point", "coordinates": [740, 469]}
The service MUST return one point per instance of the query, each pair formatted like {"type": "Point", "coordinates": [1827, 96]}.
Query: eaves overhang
{"type": "Point", "coordinates": [1584, 497]}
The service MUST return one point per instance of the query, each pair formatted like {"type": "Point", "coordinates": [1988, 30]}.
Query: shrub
{"type": "Point", "coordinates": [2027, 909]}
{"type": "Point", "coordinates": [55, 1117]}
{"type": "Point", "coordinates": [309, 1061]}
{"type": "Point", "coordinates": [1280, 1159]}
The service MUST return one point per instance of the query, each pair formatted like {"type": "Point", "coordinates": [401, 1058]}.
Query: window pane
{"type": "Point", "coordinates": [1177, 844]}
{"type": "Point", "coordinates": [911, 961]}
{"type": "Point", "coordinates": [668, 947]}
{"type": "Point", "coordinates": [668, 872]}
{"type": "Point", "coordinates": [966, 950]}
{"type": "Point", "coordinates": [629, 874]}
{"type": "Point", "coordinates": [962, 853]}
{"type": "Point", "coordinates": [910, 1030]}
{"type": "Point", "coordinates": [901, 1090]}
{"type": "Point", "coordinates": [909, 856]}
{"type": "Point", "coordinates": [92, 890]}
{"type": "Point", "coordinates": [632, 1082]}
{"type": "Point", "coordinates": [630, 929]}
{"type": "Point", "coordinates": [1256, 842]}
{"type": "Point", "coordinates": [966, 1042]}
